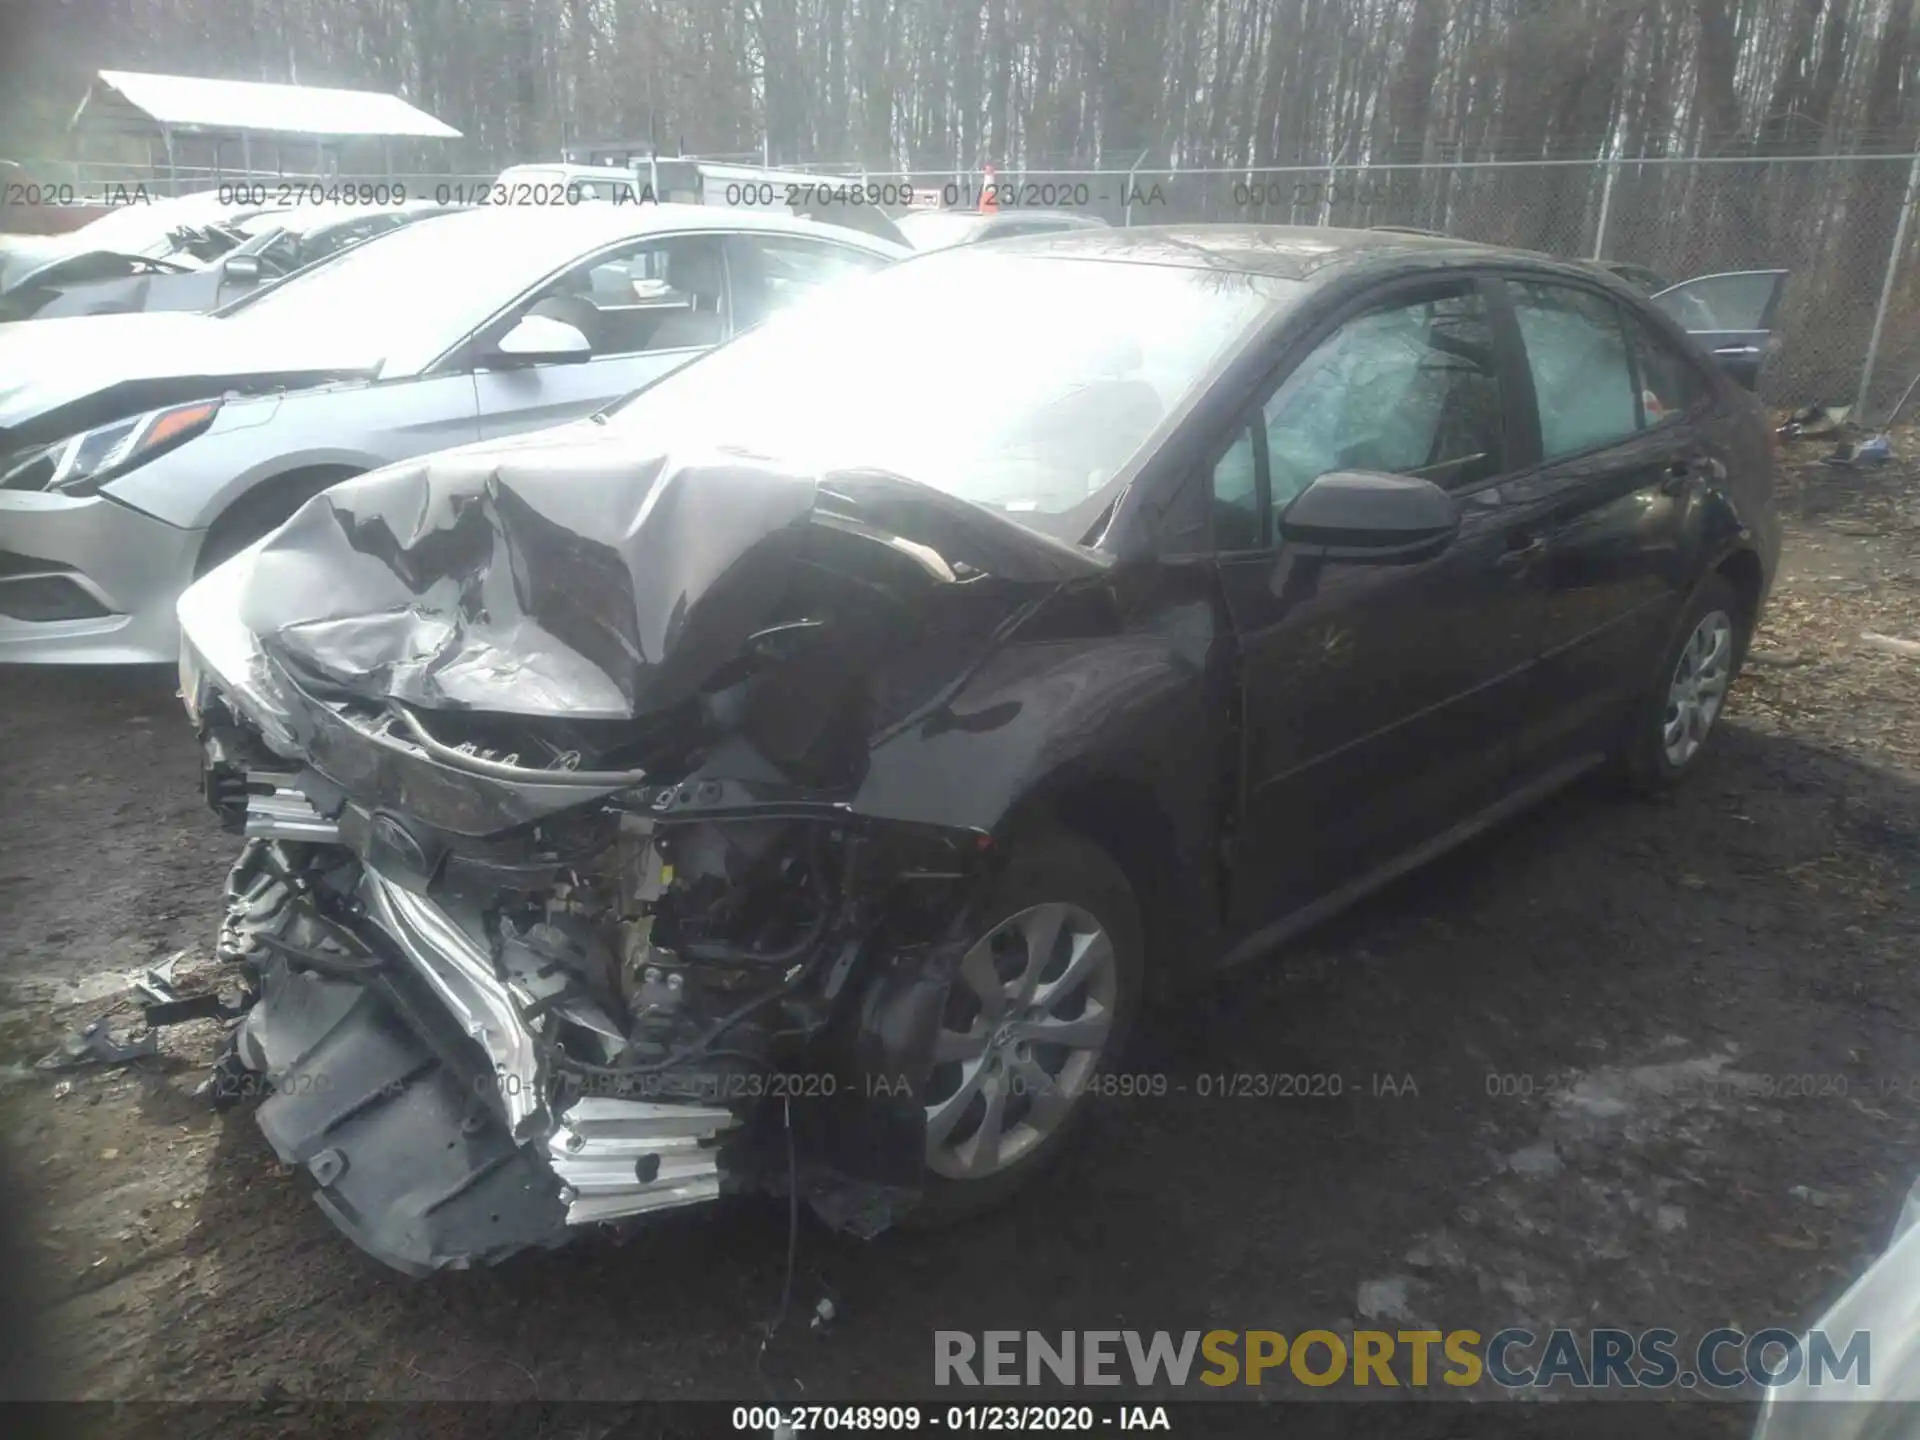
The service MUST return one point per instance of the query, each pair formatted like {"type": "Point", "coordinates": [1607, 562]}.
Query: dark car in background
{"type": "Point", "coordinates": [905, 708]}
{"type": "Point", "coordinates": [1733, 315]}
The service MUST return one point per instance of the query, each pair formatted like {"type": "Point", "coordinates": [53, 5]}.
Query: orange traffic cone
{"type": "Point", "coordinates": [989, 199]}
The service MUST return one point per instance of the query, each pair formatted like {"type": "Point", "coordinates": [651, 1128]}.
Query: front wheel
{"type": "Point", "coordinates": [1678, 715]}
{"type": "Point", "coordinates": [1042, 1002]}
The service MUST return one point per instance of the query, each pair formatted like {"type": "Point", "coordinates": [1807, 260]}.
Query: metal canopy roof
{"type": "Point", "coordinates": [185, 102]}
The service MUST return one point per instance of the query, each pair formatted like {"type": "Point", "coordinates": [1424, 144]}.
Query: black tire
{"type": "Point", "coordinates": [260, 511]}
{"type": "Point", "coordinates": [1051, 866]}
{"type": "Point", "coordinates": [1644, 762]}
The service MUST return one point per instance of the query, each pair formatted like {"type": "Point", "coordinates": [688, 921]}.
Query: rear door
{"type": "Point", "coordinates": [1379, 701]}
{"type": "Point", "coordinates": [1614, 416]}
{"type": "Point", "coordinates": [1732, 316]}
{"type": "Point", "coordinates": [645, 308]}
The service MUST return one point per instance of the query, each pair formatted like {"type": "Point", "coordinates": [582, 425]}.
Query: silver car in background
{"type": "Point", "coordinates": [138, 451]}
{"type": "Point", "coordinates": [271, 246]}
{"type": "Point", "coordinates": [1877, 1398]}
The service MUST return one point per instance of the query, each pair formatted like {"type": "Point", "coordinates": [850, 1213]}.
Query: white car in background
{"type": "Point", "coordinates": [558, 183]}
{"type": "Point", "coordinates": [138, 451]}
{"type": "Point", "coordinates": [943, 229]}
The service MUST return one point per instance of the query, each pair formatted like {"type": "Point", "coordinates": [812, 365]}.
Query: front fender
{"type": "Point", "coordinates": [194, 485]}
{"type": "Point", "coordinates": [1127, 705]}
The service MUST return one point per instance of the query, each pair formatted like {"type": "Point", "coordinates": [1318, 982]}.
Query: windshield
{"type": "Point", "coordinates": [923, 370]}
{"type": "Point", "coordinates": [408, 282]}
{"type": "Point", "coordinates": [932, 229]}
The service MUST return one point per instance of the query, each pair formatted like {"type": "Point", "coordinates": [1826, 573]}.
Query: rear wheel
{"type": "Point", "coordinates": [1679, 713]}
{"type": "Point", "coordinates": [1043, 1001]}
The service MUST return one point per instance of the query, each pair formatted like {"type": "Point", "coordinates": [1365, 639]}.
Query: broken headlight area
{"type": "Point", "coordinates": [608, 1016]}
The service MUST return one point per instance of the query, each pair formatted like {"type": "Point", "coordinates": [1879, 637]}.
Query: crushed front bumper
{"type": "Point", "coordinates": [87, 580]}
{"type": "Point", "coordinates": [403, 1090]}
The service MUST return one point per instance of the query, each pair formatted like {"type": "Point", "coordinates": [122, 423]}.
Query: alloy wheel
{"type": "Point", "coordinates": [1698, 687]}
{"type": "Point", "coordinates": [1026, 1024]}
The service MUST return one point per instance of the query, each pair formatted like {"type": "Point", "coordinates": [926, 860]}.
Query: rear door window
{"type": "Point", "coordinates": [1669, 384]}
{"type": "Point", "coordinates": [771, 272]}
{"type": "Point", "coordinates": [1576, 347]}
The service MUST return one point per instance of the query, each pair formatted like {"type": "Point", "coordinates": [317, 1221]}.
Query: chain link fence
{"type": "Point", "coordinates": [1837, 223]}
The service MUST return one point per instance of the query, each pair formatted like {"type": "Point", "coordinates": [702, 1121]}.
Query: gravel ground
{"type": "Point", "coordinates": [1590, 1022]}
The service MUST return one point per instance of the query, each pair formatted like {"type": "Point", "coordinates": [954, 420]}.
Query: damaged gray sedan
{"type": "Point", "coordinates": [796, 777]}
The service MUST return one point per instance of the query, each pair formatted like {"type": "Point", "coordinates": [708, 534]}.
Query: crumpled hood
{"type": "Point", "coordinates": [76, 266]}
{"type": "Point", "coordinates": [63, 375]}
{"type": "Point", "coordinates": [22, 256]}
{"type": "Point", "coordinates": [568, 575]}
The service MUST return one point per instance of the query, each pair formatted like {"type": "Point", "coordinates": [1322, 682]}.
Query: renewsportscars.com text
{"type": "Point", "coordinates": [1514, 1359]}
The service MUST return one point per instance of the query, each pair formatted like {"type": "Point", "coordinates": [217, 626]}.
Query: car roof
{"type": "Point", "coordinates": [1290, 252]}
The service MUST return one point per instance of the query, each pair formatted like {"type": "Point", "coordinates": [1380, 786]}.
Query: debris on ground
{"type": "Point", "coordinates": [1893, 645]}
{"type": "Point", "coordinates": [1813, 422]}
{"type": "Point", "coordinates": [1852, 567]}
{"type": "Point", "coordinates": [167, 1005]}
{"type": "Point", "coordinates": [95, 1045]}
{"type": "Point", "coordinates": [1849, 456]}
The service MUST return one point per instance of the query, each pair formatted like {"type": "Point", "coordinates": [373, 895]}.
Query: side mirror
{"type": "Point", "coordinates": [541, 340]}
{"type": "Point", "coordinates": [1361, 515]}
{"type": "Point", "coordinates": [241, 267]}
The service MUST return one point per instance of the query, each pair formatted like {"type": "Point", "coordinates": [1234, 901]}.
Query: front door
{"type": "Point", "coordinates": [645, 309]}
{"type": "Point", "coordinates": [1379, 700]}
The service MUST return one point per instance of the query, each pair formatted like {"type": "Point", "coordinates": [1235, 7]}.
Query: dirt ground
{"type": "Point", "coordinates": [1592, 1022]}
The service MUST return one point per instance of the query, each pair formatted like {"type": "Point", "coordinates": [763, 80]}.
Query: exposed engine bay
{"type": "Point", "coordinates": [653, 1007]}
{"type": "Point", "coordinates": [585, 878]}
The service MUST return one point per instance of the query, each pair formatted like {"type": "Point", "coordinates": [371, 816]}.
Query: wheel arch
{"type": "Point", "coordinates": [1743, 570]}
{"type": "Point", "coordinates": [1125, 818]}
{"type": "Point", "coordinates": [278, 494]}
